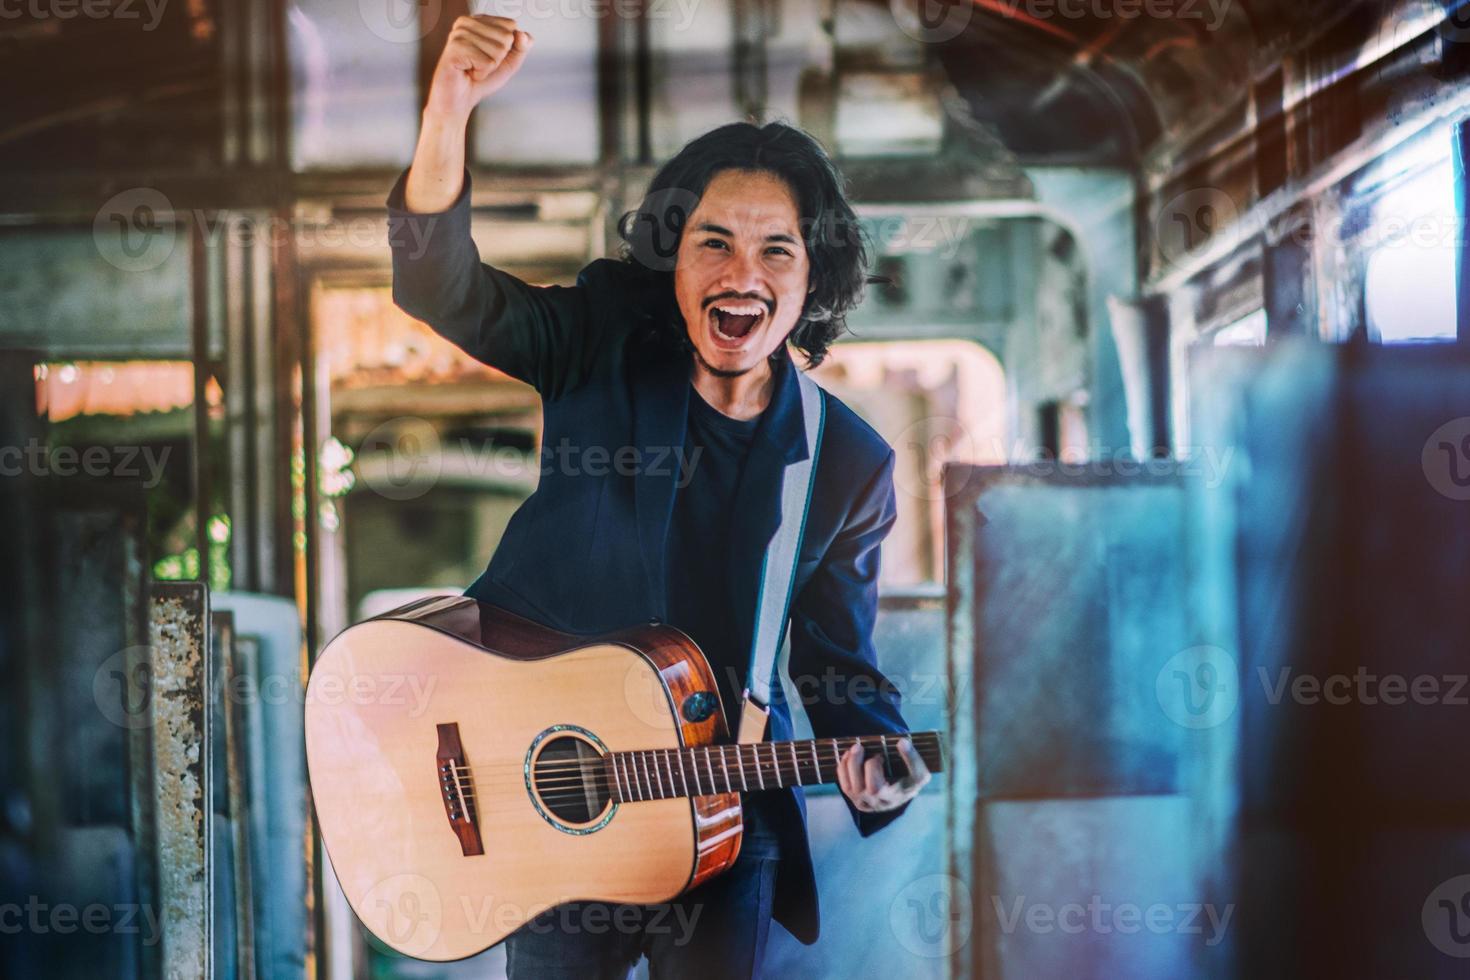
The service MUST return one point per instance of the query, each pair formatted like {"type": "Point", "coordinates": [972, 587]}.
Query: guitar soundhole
{"type": "Point", "coordinates": [569, 782]}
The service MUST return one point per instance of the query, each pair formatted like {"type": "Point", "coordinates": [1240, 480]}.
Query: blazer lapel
{"type": "Point", "coordinates": [780, 439]}
{"type": "Point", "coordinates": [660, 418]}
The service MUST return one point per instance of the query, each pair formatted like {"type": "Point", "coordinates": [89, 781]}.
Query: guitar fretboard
{"type": "Point", "coordinates": [658, 774]}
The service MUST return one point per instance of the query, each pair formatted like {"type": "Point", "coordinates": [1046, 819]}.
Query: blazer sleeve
{"type": "Point", "coordinates": [831, 635]}
{"type": "Point", "coordinates": [550, 337]}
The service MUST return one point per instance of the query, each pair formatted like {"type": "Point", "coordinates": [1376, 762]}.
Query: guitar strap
{"type": "Point", "coordinates": [778, 570]}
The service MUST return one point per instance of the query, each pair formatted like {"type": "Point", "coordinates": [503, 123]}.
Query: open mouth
{"type": "Point", "coordinates": [732, 323]}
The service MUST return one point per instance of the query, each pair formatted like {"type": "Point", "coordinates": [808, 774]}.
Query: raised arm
{"type": "Point", "coordinates": [481, 55]}
{"type": "Point", "coordinates": [548, 336]}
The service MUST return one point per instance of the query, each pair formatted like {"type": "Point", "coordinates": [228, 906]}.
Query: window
{"type": "Point", "coordinates": [1409, 283]}
{"type": "Point", "coordinates": [355, 96]}
{"type": "Point", "coordinates": [936, 402]}
{"type": "Point", "coordinates": [1248, 331]}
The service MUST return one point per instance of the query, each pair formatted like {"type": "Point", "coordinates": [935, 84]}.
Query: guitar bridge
{"type": "Point", "coordinates": [458, 790]}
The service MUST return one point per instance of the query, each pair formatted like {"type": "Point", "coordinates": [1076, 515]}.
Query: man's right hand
{"type": "Point", "coordinates": [481, 55]}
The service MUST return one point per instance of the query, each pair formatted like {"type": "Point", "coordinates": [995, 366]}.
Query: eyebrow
{"type": "Point", "coordinates": [721, 230]}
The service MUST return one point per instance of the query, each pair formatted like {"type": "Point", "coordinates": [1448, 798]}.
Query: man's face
{"type": "Point", "coordinates": [741, 273]}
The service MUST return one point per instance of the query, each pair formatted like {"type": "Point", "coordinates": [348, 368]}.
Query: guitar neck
{"type": "Point", "coordinates": [657, 774]}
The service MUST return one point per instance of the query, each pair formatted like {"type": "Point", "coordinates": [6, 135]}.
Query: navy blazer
{"type": "Point", "coordinates": [585, 552]}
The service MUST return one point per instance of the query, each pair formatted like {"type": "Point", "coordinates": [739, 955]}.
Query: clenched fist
{"type": "Point", "coordinates": [481, 55]}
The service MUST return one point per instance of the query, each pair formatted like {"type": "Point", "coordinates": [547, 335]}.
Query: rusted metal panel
{"type": "Point", "coordinates": [100, 609]}
{"type": "Point", "coordinates": [1462, 254]}
{"type": "Point", "coordinates": [268, 662]}
{"type": "Point", "coordinates": [135, 693]}
{"type": "Point", "coordinates": [59, 284]}
{"type": "Point", "coordinates": [232, 796]}
{"type": "Point", "coordinates": [1068, 604]}
{"type": "Point", "coordinates": [1342, 544]}
{"type": "Point", "coordinates": [71, 612]}
{"type": "Point", "coordinates": [962, 800]}
{"type": "Point", "coordinates": [21, 590]}
{"type": "Point", "coordinates": [183, 776]}
{"type": "Point", "coordinates": [1076, 591]}
{"type": "Point", "coordinates": [95, 603]}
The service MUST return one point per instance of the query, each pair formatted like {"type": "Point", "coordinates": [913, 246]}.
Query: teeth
{"type": "Point", "coordinates": [741, 310]}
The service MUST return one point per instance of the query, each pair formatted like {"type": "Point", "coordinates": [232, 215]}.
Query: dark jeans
{"type": "Point", "coordinates": [713, 932]}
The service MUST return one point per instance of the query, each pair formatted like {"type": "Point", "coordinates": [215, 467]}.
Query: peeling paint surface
{"type": "Point", "coordinates": [179, 636]}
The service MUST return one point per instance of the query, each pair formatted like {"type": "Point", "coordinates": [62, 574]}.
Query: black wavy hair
{"type": "Point", "coordinates": [835, 244]}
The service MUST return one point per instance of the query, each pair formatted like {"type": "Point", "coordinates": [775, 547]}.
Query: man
{"type": "Point", "coordinates": [671, 407]}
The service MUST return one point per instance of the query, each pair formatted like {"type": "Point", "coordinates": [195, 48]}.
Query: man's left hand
{"type": "Point", "coordinates": [869, 789]}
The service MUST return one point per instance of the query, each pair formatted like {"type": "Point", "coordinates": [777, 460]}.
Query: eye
{"type": "Point", "coordinates": [714, 243]}
{"type": "Point", "coordinates": [779, 250]}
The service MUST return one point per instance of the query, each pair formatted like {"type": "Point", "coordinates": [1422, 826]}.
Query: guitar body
{"type": "Point", "coordinates": [434, 738]}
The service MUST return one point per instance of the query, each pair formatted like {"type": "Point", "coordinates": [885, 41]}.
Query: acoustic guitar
{"type": "Point", "coordinates": [470, 769]}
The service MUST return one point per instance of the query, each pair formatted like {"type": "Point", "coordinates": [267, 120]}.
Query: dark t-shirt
{"type": "Point", "coordinates": [698, 547]}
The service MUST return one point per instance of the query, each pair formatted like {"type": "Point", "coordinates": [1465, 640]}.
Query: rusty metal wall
{"type": "Point", "coordinates": [183, 773]}
{"type": "Point", "coordinates": [267, 693]}
{"type": "Point", "coordinates": [1349, 531]}
{"type": "Point", "coordinates": [1234, 693]}
{"type": "Point", "coordinates": [73, 854]}
{"type": "Point", "coordinates": [233, 892]}
{"type": "Point", "coordinates": [129, 802]}
{"type": "Point", "coordinates": [1069, 618]}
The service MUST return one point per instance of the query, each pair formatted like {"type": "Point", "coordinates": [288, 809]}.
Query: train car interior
{"type": "Point", "coordinates": [1167, 325]}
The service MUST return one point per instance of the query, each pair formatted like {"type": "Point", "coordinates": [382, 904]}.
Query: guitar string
{"type": "Point", "coordinates": [690, 768]}
{"type": "Point", "coordinates": [654, 782]}
{"type": "Point", "coordinates": [674, 777]}
{"type": "Point", "coordinates": [657, 761]}
{"type": "Point", "coordinates": [666, 764]}
{"type": "Point", "coordinates": [649, 783]}
{"type": "Point", "coordinates": [654, 791]}
{"type": "Point", "coordinates": [780, 750]}
{"type": "Point", "coordinates": [660, 755]}
{"type": "Point", "coordinates": [663, 771]}
{"type": "Point", "coordinates": [594, 773]}
{"type": "Point", "coordinates": [823, 772]}
{"type": "Point", "coordinates": [651, 786]}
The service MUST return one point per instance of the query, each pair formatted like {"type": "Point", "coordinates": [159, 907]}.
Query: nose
{"type": "Point", "coordinates": [742, 274]}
